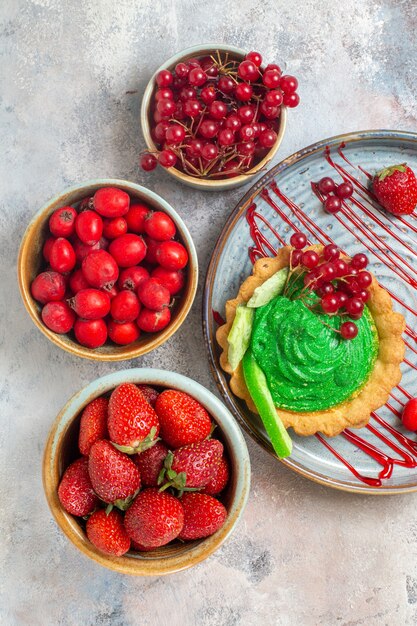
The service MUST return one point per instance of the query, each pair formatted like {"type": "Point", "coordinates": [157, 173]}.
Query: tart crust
{"type": "Point", "coordinates": [385, 375]}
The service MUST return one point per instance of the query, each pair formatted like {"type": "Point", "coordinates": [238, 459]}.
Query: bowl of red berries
{"type": "Point", "coordinates": [214, 116]}
{"type": "Point", "coordinates": [146, 472]}
{"type": "Point", "coordinates": [107, 270]}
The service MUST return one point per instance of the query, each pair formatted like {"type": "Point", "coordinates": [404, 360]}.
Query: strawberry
{"type": "Point", "coordinates": [203, 515]}
{"type": "Point", "coordinates": [93, 424]}
{"type": "Point", "coordinates": [182, 419]}
{"type": "Point", "coordinates": [193, 466]}
{"type": "Point", "coordinates": [114, 476]}
{"type": "Point", "coordinates": [150, 393]}
{"type": "Point", "coordinates": [396, 189]}
{"type": "Point", "coordinates": [154, 519]}
{"type": "Point", "coordinates": [107, 533]}
{"type": "Point", "coordinates": [219, 480]}
{"type": "Point", "coordinates": [133, 424]}
{"type": "Point", "coordinates": [150, 463]}
{"type": "Point", "coordinates": [75, 490]}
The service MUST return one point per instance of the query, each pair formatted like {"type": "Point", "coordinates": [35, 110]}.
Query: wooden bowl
{"type": "Point", "coordinates": [61, 449]}
{"type": "Point", "coordinates": [30, 261]}
{"type": "Point", "coordinates": [145, 117]}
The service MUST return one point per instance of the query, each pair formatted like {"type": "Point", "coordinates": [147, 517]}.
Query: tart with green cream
{"type": "Point", "coordinates": [303, 352]}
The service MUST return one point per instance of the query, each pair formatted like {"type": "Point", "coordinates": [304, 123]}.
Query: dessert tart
{"type": "Point", "coordinates": [327, 361]}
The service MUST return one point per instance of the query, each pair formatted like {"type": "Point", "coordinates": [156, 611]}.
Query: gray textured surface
{"type": "Point", "coordinates": [303, 555]}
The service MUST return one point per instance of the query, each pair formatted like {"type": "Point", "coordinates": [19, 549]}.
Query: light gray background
{"type": "Point", "coordinates": [303, 554]}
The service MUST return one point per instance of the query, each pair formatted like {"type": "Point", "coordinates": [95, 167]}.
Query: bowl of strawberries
{"type": "Point", "coordinates": [146, 472]}
{"type": "Point", "coordinates": [107, 270]}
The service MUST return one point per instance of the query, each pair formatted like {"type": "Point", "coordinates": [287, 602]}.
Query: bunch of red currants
{"type": "Point", "coordinates": [113, 268]}
{"type": "Point", "coordinates": [216, 117]}
{"type": "Point", "coordinates": [333, 194]}
{"type": "Point", "coordinates": [342, 285]}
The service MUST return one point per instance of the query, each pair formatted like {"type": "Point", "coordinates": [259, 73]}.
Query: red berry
{"type": "Point", "coordinates": [219, 480]}
{"type": "Point", "coordinates": [58, 317]}
{"type": "Point", "coordinates": [173, 280]}
{"type": "Point", "coordinates": [203, 515]}
{"type": "Point", "coordinates": [364, 295]}
{"type": "Point", "coordinates": [111, 202]}
{"type": "Point", "coordinates": [208, 129]}
{"type": "Point", "coordinates": [354, 306]}
{"type": "Point", "coordinates": [248, 71]}
{"type": "Point", "coordinates": [46, 250]}
{"type": "Point", "coordinates": [332, 204]}
{"type": "Point", "coordinates": [409, 415]}
{"type": "Point", "coordinates": [175, 134]}
{"type": "Point", "coordinates": [364, 279]}
{"type": "Point", "coordinates": [48, 287]}
{"type": "Point", "coordinates": [359, 261]}
{"type": "Point", "coordinates": [131, 277]}
{"type": "Point", "coordinates": [209, 151]}
{"type": "Point", "coordinates": [291, 100]}
{"type": "Point", "coordinates": [62, 256]}
{"type": "Point", "coordinates": [125, 307]}
{"type": "Point", "coordinates": [136, 218]}
{"type": "Point", "coordinates": [331, 252]}
{"type": "Point", "coordinates": [247, 132]}
{"type": "Point", "coordinates": [330, 303]}
{"type": "Point", "coordinates": [160, 226]}
{"type": "Point", "coordinates": [150, 463]}
{"type": "Point", "coordinates": [148, 162]}
{"type": "Point", "coordinates": [274, 97]}
{"type": "Point", "coordinates": [77, 281]}
{"type": "Point", "coordinates": [113, 474]}
{"type": "Point", "coordinates": [288, 84]}
{"type": "Point", "coordinates": [93, 424]}
{"type": "Point", "coordinates": [89, 227]}
{"type": "Point", "coordinates": [197, 77]}
{"type": "Point", "coordinates": [298, 240]}
{"type": "Point", "coordinates": [183, 420]}
{"type": "Point", "coordinates": [209, 66]}
{"type": "Point", "coordinates": [115, 227]}
{"type": "Point", "coordinates": [271, 79]}
{"type": "Point", "coordinates": [243, 92]}
{"type": "Point", "coordinates": [100, 269]}
{"type": "Point", "coordinates": [255, 57]}
{"type": "Point", "coordinates": [310, 259]}
{"type": "Point", "coordinates": [226, 137]}
{"type": "Point", "coordinates": [152, 247]}
{"type": "Point", "coordinates": [217, 110]}
{"type": "Point", "coordinates": [153, 295]}
{"type": "Point", "coordinates": [192, 107]}
{"type": "Point", "coordinates": [90, 333]}
{"type": "Point", "coordinates": [246, 149]}
{"type": "Point", "coordinates": [82, 249]}
{"type": "Point", "coordinates": [268, 138]}
{"type": "Point", "coordinates": [166, 108]}
{"type": "Point", "coordinates": [172, 255]}
{"type": "Point", "coordinates": [226, 84]}
{"type": "Point", "coordinates": [341, 268]}
{"type": "Point", "coordinates": [159, 132]}
{"type": "Point", "coordinates": [90, 304]}
{"type": "Point", "coordinates": [62, 221]}
{"type": "Point", "coordinates": [164, 94]}
{"type": "Point", "coordinates": [348, 330]}
{"type": "Point", "coordinates": [181, 70]}
{"type": "Point", "coordinates": [153, 321]}
{"type": "Point", "coordinates": [344, 191]}
{"type": "Point", "coordinates": [233, 121]}
{"type": "Point", "coordinates": [325, 289]}
{"type": "Point", "coordinates": [343, 298]}
{"type": "Point", "coordinates": [150, 393]}
{"type": "Point", "coordinates": [75, 491]}
{"type": "Point", "coordinates": [123, 333]}
{"type": "Point", "coordinates": [208, 95]}
{"type": "Point", "coordinates": [296, 256]}
{"type": "Point", "coordinates": [132, 422]}
{"type": "Point", "coordinates": [107, 532]}
{"type": "Point", "coordinates": [198, 461]}
{"type": "Point", "coordinates": [328, 271]}
{"type": "Point", "coordinates": [273, 66]}
{"type": "Point", "coordinates": [167, 158]}
{"type": "Point", "coordinates": [270, 112]}
{"type": "Point", "coordinates": [326, 185]}
{"type": "Point", "coordinates": [164, 78]}
{"type": "Point", "coordinates": [128, 250]}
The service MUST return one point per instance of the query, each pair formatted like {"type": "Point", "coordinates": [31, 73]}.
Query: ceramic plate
{"type": "Point", "coordinates": [382, 457]}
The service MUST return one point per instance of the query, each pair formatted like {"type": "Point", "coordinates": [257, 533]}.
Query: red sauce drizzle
{"type": "Point", "coordinates": [405, 449]}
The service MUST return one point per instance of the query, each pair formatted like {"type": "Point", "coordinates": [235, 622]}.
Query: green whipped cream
{"type": "Point", "coordinates": [308, 366]}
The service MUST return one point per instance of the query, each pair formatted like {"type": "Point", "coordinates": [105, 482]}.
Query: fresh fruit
{"type": "Point", "coordinates": [107, 532]}
{"type": "Point", "coordinates": [182, 419]}
{"type": "Point", "coordinates": [90, 333]}
{"type": "Point", "coordinates": [154, 519]}
{"type": "Point", "coordinates": [348, 330]}
{"type": "Point", "coordinates": [89, 227]}
{"type": "Point", "coordinates": [62, 221]}
{"type": "Point", "coordinates": [172, 255]}
{"type": "Point", "coordinates": [93, 424]}
{"type": "Point", "coordinates": [48, 287]}
{"type": "Point", "coordinates": [125, 307]}
{"type": "Point", "coordinates": [111, 202]}
{"type": "Point", "coordinates": [90, 304]}
{"type": "Point", "coordinates": [114, 227]}
{"type": "Point", "coordinates": [58, 317]}
{"type": "Point", "coordinates": [82, 249]}
{"type": "Point", "coordinates": [150, 463]}
{"type": "Point", "coordinates": [344, 190]}
{"type": "Point", "coordinates": [173, 280]}
{"type": "Point", "coordinates": [100, 269]}
{"type": "Point", "coordinates": [203, 516]}
{"type": "Point", "coordinates": [62, 256]}
{"type": "Point", "coordinates": [78, 281]}
{"type": "Point", "coordinates": [75, 490]}
{"type": "Point", "coordinates": [123, 333]}
{"type": "Point", "coordinates": [192, 466]}
{"type": "Point", "coordinates": [114, 476]}
{"type": "Point", "coordinates": [133, 424]}
{"type": "Point", "coordinates": [395, 187]}
{"type": "Point", "coordinates": [150, 393]}
{"type": "Point", "coordinates": [131, 277]}
{"type": "Point", "coordinates": [159, 226]}
{"type": "Point", "coordinates": [409, 415]}
{"type": "Point", "coordinates": [219, 480]}
{"type": "Point", "coordinates": [326, 185]}
{"type": "Point", "coordinates": [128, 250]}
{"type": "Point", "coordinates": [239, 335]}
{"type": "Point", "coordinates": [332, 204]}
{"type": "Point", "coordinates": [136, 217]}
{"type": "Point", "coordinates": [153, 295]}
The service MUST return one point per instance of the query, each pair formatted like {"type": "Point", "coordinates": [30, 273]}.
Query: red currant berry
{"type": "Point", "coordinates": [359, 261]}
{"type": "Point", "coordinates": [273, 66]}
{"type": "Point", "coordinates": [243, 92]}
{"type": "Point", "coordinates": [268, 138]}
{"type": "Point", "coordinates": [326, 185]}
{"type": "Point", "coordinates": [311, 279]}
{"type": "Point", "coordinates": [364, 295]}
{"type": "Point", "coordinates": [341, 267]}
{"type": "Point", "coordinates": [247, 132]}
{"type": "Point", "coordinates": [182, 70]}
{"type": "Point", "coordinates": [353, 284]}
{"type": "Point", "coordinates": [288, 84]}
{"type": "Point", "coordinates": [328, 271]}
{"type": "Point", "coordinates": [197, 77]}
{"type": "Point", "coordinates": [226, 84]}
{"type": "Point", "coordinates": [153, 321]}
{"type": "Point", "coordinates": [164, 94]}
{"type": "Point", "coordinates": [246, 149]}
{"type": "Point", "coordinates": [148, 161]}
{"type": "Point", "coordinates": [193, 148]}
{"type": "Point", "coordinates": [188, 93]}
{"type": "Point", "coordinates": [255, 57]}
{"type": "Point", "coordinates": [160, 130]}
{"type": "Point", "coordinates": [296, 256]}
{"type": "Point", "coordinates": [208, 94]}
{"type": "Point", "coordinates": [409, 415]}
{"type": "Point", "coordinates": [208, 129]}
{"type": "Point", "coordinates": [62, 221]}
{"type": "Point", "coordinates": [192, 107]}
{"type": "Point", "coordinates": [345, 190]}
{"type": "Point", "coordinates": [248, 71]}
{"type": "Point", "coordinates": [332, 204]}
{"type": "Point", "coordinates": [217, 110]}
{"type": "Point", "coordinates": [209, 151]}
{"type": "Point", "coordinates": [226, 137]}
{"type": "Point", "coordinates": [310, 259]}
{"type": "Point", "coordinates": [354, 306]}
{"type": "Point", "coordinates": [166, 108]}
{"type": "Point", "coordinates": [325, 289]}
{"type": "Point", "coordinates": [233, 122]}
{"type": "Point", "coordinates": [48, 287]}
{"type": "Point", "coordinates": [364, 279]}
{"type": "Point", "coordinates": [298, 240]}
{"type": "Point", "coordinates": [331, 252]}
{"type": "Point", "coordinates": [330, 303]}
{"type": "Point", "coordinates": [291, 100]}
{"type": "Point", "coordinates": [164, 78]}
{"type": "Point", "coordinates": [256, 128]}
{"type": "Point", "coordinates": [58, 317]}
{"type": "Point", "coordinates": [343, 298]}
{"type": "Point", "coordinates": [172, 255]}
{"type": "Point", "coordinates": [123, 334]}
{"type": "Point", "coordinates": [175, 134]}
{"type": "Point", "coordinates": [274, 97]}
{"type": "Point", "coordinates": [246, 113]}
{"type": "Point", "coordinates": [270, 112]}
{"type": "Point", "coordinates": [62, 257]}
{"type": "Point", "coordinates": [348, 330]}
{"type": "Point", "coordinates": [167, 158]}
{"type": "Point", "coordinates": [271, 79]}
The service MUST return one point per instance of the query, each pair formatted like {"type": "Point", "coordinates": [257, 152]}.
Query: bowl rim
{"type": "Point", "coordinates": [203, 183]}
{"type": "Point", "coordinates": [155, 340]}
{"type": "Point", "coordinates": [135, 564]}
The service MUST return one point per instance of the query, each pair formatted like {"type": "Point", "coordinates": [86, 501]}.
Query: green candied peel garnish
{"type": "Point", "coordinates": [269, 289]}
{"type": "Point", "coordinates": [261, 396]}
{"type": "Point", "coordinates": [239, 335]}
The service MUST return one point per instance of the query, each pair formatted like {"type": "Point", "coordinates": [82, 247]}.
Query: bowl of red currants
{"type": "Point", "coordinates": [214, 116]}
{"type": "Point", "coordinates": [146, 472]}
{"type": "Point", "coordinates": [107, 270]}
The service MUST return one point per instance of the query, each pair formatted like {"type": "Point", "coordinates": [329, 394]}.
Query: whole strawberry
{"type": "Point", "coordinates": [150, 463]}
{"type": "Point", "coordinates": [203, 515]}
{"type": "Point", "coordinates": [75, 491]}
{"type": "Point", "coordinates": [219, 480]}
{"type": "Point", "coordinates": [396, 189]}
{"type": "Point", "coordinates": [93, 424]}
{"type": "Point", "coordinates": [193, 466]}
{"type": "Point", "coordinates": [107, 533]}
{"type": "Point", "coordinates": [150, 393]}
{"type": "Point", "coordinates": [154, 519]}
{"type": "Point", "coordinates": [133, 424]}
{"type": "Point", "coordinates": [182, 419]}
{"type": "Point", "coordinates": [114, 476]}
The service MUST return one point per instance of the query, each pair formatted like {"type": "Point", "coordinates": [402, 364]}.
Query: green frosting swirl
{"type": "Point", "coordinates": [308, 366]}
